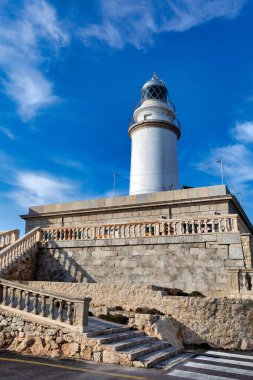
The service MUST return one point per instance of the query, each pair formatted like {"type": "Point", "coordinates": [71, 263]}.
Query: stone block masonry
{"type": "Point", "coordinates": [189, 262]}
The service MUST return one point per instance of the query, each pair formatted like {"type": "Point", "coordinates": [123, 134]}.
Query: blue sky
{"type": "Point", "coordinates": [71, 72]}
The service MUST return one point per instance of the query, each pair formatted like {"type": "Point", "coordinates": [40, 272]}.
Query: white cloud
{"type": "Point", "coordinates": [243, 132]}
{"type": "Point", "coordinates": [32, 188]}
{"type": "Point", "coordinates": [131, 22]}
{"type": "Point", "coordinates": [21, 58]}
{"type": "Point", "coordinates": [237, 160]}
{"type": "Point", "coordinates": [7, 133]}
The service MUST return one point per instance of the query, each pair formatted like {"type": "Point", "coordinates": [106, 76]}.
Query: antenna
{"type": "Point", "coordinates": [220, 161]}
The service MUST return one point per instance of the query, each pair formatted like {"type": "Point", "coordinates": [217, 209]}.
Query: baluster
{"type": "Point", "coordinates": [35, 303]}
{"type": "Point", "coordinates": [69, 312]}
{"type": "Point", "coordinates": [51, 308]}
{"type": "Point", "coordinates": [245, 281]}
{"type": "Point", "coordinates": [60, 310]}
{"type": "Point", "coordinates": [5, 295]}
{"type": "Point", "coordinates": [12, 297]}
{"type": "Point", "coordinates": [27, 301]}
{"type": "Point", "coordinates": [20, 292]}
{"type": "Point", "coordinates": [235, 224]}
{"type": "Point", "coordinates": [43, 306]}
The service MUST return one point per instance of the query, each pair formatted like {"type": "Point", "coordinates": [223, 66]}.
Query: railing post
{"type": "Point", "coordinates": [82, 312]}
{"type": "Point", "coordinates": [39, 235]}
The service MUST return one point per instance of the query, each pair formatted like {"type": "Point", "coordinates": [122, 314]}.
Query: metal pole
{"type": "Point", "coordinates": [221, 171]}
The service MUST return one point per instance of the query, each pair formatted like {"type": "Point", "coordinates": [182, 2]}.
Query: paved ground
{"type": "Point", "coordinates": [214, 365]}
{"type": "Point", "coordinates": [21, 367]}
{"type": "Point", "coordinates": [209, 365]}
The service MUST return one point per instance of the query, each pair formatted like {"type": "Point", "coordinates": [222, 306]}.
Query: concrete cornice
{"type": "Point", "coordinates": [156, 124]}
{"type": "Point", "coordinates": [126, 207]}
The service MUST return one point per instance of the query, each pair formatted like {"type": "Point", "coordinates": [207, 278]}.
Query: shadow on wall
{"type": "Point", "coordinates": [56, 264]}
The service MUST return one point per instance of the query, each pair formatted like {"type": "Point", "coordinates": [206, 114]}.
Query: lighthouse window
{"type": "Point", "coordinates": [147, 116]}
{"type": "Point", "coordinates": [155, 92]}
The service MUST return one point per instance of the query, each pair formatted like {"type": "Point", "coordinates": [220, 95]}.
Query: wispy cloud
{"type": "Point", "coordinates": [237, 159]}
{"type": "Point", "coordinates": [33, 188]}
{"type": "Point", "coordinates": [7, 133]}
{"type": "Point", "coordinates": [136, 23]}
{"type": "Point", "coordinates": [243, 132]}
{"type": "Point", "coordinates": [68, 163]}
{"type": "Point", "coordinates": [22, 33]}
{"type": "Point", "coordinates": [28, 187]}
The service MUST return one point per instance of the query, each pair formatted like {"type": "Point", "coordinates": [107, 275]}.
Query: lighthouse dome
{"type": "Point", "coordinates": [154, 89]}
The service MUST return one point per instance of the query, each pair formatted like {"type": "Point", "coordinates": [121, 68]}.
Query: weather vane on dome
{"type": "Point", "coordinates": [155, 76]}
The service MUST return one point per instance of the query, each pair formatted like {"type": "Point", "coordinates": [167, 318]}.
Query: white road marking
{"type": "Point", "coordinates": [220, 368]}
{"type": "Point", "coordinates": [228, 354]}
{"type": "Point", "coordinates": [196, 375]}
{"type": "Point", "coordinates": [226, 361]}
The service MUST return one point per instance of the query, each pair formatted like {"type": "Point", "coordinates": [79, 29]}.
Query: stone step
{"type": "Point", "coordinates": [108, 331]}
{"type": "Point", "coordinates": [150, 359]}
{"type": "Point", "coordinates": [143, 349]}
{"type": "Point", "coordinates": [172, 361]}
{"type": "Point", "coordinates": [104, 339]}
{"type": "Point", "coordinates": [131, 342]}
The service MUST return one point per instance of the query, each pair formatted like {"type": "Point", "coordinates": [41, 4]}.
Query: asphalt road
{"type": "Point", "coordinates": [23, 367]}
{"type": "Point", "coordinates": [208, 365]}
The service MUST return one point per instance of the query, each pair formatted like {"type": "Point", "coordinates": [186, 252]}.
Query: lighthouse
{"type": "Point", "coordinates": [154, 135]}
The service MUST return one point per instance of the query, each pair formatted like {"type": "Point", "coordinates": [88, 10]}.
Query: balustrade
{"type": "Point", "coordinates": [170, 227]}
{"type": "Point", "coordinates": [51, 306]}
{"type": "Point", "coordinates": [17, 249]}
{"type": "Point", "coordinates": [8, 237]}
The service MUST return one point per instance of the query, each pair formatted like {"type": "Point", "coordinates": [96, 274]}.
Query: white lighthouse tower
{"type": "Point", "coordinates": [154, 161]}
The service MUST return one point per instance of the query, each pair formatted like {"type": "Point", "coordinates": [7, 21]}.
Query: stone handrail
{"type": "Point", "coordinates": [46, 306]}
{"type": "Point", "coordinates": [17, 249]}
{"type": "Point", "coordinates": [8, 237]}
{"type": "Point", "coordinates": [168, 227]}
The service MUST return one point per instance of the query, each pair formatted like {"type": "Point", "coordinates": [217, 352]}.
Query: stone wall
{"type": "Point", "coordinates": [220, 322]}
{"type": "Point", "coordinates": [24, 335]}
{"type": "Point", "coordinates": [193, 262]}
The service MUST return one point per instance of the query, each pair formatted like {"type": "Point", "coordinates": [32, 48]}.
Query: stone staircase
{"type": "Point", "coordinates": [18, 252]}
{"type": "Point", "coordinates": [122, 345]}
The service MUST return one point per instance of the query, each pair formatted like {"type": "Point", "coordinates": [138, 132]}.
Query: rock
{"type": "Point", "coordinates": [56, 354]}
{"type": "Point", "coordinates": [110, 357]}
{"type": "Point", "coordinates": [167, 329]}
{"type": "Point", "coordinates": [53, 345]}
{"type": "Point", "coordinates": [51, 332]}
{"type": "Point", "coordinates": [86, 352]}
{"type": "Point", "coordinates": [74, 348]}
{"type": "Point", "coordinates": [97, 356]}
{"type": "Point", "coordinates": [26, 343]}
{"type": "Point", "coordinates": [4, 322]}
{"type": "Point", "coordinates": [21, 334]}
{"type": "Point", "coordinates": [39, 347]}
